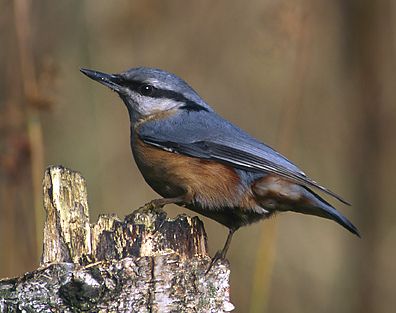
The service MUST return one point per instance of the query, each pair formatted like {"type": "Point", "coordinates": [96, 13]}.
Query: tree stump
{"type": "Point", "coordinates": [144, 263]}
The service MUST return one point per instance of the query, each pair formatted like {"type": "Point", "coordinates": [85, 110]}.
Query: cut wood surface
{"type": "Point", "coordinates": [144, 263]}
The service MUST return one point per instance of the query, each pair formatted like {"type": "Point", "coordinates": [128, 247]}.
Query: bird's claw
{"type": "Point", "coordinates": [218, 256]}
{"type": "Point", "coordinates": [153, 205]}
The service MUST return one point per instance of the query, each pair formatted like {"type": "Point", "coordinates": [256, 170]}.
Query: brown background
{"type": "Point", "coordinates": [314, 79]}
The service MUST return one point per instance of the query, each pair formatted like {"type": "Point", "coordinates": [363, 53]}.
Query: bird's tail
{"type": "Point", "coordinates": [316, 205]}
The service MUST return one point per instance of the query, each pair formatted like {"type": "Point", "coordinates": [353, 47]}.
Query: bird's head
{"type": "Point", "coordinates": [146, 91]}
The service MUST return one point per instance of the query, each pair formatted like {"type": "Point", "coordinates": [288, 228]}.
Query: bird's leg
{"type": "Point", "coordinates": [155, 205]}
{"type": "Point", "coordinates": [221, 254]}
{"type": "Point", "coordinates": [160, 203]}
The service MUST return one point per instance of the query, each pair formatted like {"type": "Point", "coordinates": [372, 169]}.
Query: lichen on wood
{"type": "Point", "coordinates": [144, 263]}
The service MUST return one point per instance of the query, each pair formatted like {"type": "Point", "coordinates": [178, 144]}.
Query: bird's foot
{"type": "Point", "coordinates": [153, 205]}
{"type": "Point", "coordinates": [218, 256]}
{"type": "Point", "coordinates": [149, 209]}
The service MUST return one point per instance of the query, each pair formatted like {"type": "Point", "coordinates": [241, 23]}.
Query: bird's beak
{"type": "Point", "coordinates": [113, 81]}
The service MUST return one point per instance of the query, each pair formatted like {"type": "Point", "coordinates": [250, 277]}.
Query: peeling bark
{"type": "Point", "coordinates": [144, 263]}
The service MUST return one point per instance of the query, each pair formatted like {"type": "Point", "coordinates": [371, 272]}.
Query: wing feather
{"type": "Point", "coordinates": [206, 135]}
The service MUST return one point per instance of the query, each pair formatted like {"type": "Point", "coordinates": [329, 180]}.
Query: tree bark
{"type": "Point", "coordinates": [145, 263]}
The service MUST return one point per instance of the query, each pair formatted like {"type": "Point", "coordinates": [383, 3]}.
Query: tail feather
{"type": "Point", "coordinates": [320, 207]}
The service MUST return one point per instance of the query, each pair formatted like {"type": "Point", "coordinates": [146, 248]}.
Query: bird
{"type": "Point", "coordinates": [194, 158]}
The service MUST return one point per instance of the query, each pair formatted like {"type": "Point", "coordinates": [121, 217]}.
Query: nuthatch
{"type": "Point", "coordinates": [195, 158]}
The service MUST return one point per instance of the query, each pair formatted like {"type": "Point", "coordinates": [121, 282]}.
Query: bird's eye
{"type": "Point", "coordinates": [146, 89]}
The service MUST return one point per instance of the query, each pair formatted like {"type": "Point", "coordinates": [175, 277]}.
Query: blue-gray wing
{"type": "Point", "coordinates": [206, 135]}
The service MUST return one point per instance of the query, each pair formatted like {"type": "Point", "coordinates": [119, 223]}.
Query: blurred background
{"type": "Point", "coordinates": [314, 79]}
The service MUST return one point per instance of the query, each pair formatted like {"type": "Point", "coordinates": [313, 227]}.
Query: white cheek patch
{"type": "Point", "coordinates": [151, 105]}
{"type": "Point", "coordinates": [147, 105]}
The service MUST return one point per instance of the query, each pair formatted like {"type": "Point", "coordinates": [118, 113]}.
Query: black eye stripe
{"type": "Point", "coordinates": [141, 88]}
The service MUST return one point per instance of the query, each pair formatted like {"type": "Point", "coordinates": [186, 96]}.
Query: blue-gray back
{"type": "Point", "coordinates": [206, 135]}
